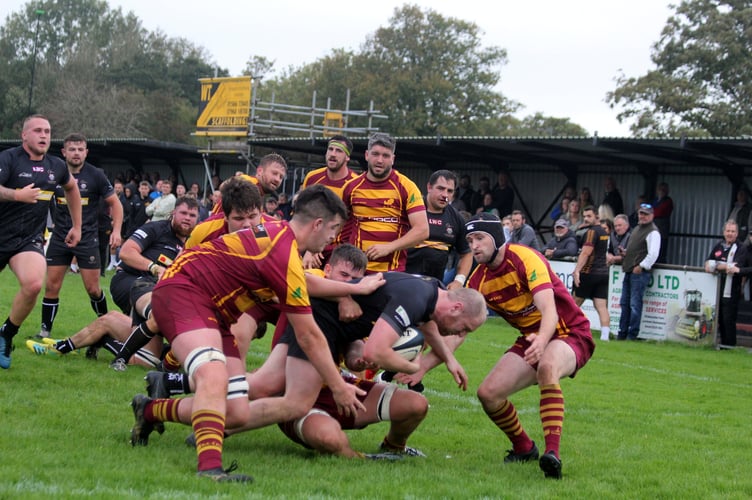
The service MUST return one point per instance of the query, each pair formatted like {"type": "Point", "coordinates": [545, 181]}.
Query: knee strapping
{"type": "Point", "coordinates": [237, 387]}
{"type": "Point", "coordinates": [299, 422]}
{"type": "Point", "coordinates": [198, 357]}
{"type": "Point", "coordinates": [385, 400]}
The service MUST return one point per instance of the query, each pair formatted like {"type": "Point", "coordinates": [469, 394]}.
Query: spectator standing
{"type": "Point", "coordinates": [563, 244]}
{"type": "Point", "coordinates": [663, 207]}
{"type": "Point", "coordinates": [641, 253]}
{"type": "Point", "coordinates": [468, 195]}
{"type": "Point", "coordinates": [586, 198]}
{"type": "Point", "coordinates": [740, 212]}
{"type": "Point", "coordinates": [574, 216]}
{"type": "Point", "coordinates": [618, 240]}
{"type": "Point", "coordinates": [138, 211]}
{"type": "Point", "coordinates": [612, 196]}
{"type": "Point", "coordinates": [503, 195]}
{"type": "Point", "coordinates": [633, 218]}
{"type": "Point", "coordinates": [730, 260]}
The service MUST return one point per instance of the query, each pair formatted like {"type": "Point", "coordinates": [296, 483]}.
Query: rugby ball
{"type": "Point", "coordinates": [409, 344]}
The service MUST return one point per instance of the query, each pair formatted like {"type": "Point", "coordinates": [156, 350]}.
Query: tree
{"type": "Point", "coordinates": [98, 71]}
{"type": "Point", "coordinates": [701, 83]}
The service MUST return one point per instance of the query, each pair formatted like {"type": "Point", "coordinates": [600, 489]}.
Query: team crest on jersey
{"type": "Point", "coordinates": [260, 231]}
{"type": "Point", "coordinates": [51, 175]}
{"type": "Point", "coordinates": [83, 186]}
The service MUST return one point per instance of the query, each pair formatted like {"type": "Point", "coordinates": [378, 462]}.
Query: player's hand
{"type": "Point", "coordinates": [115, 240]}
{"type": "Point", "coordinates": [453, 285]}
{"type": "Point", "coordinates": [349, 310]}
{"type": "Point", "coordinates": [379, 251]}
{"type": "Point", "coordinates": [346, 398]}
{"type": "Point", "coordinates": [312, 260]}
{"type": "Point", "coordinates": [460, 377]}
{"type": "Point", "coordinates": [73, 237]}
{"type": "Point", "coordinates": [370, 283]}
{"type": "Point", "coordinates": [27, 194]}
{"type": "Point", "coordinates": [534, 353]}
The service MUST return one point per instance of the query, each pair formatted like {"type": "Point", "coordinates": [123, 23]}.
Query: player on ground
{"type": "Point", "coordinates": [207, 289]}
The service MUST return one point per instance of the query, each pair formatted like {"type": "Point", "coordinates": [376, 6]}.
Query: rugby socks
{"type": "Point", "coordinates": [605, 333]}
{"type": "Point", "coordinates": [65, 346]}
{"type": "Point", "coordinates": [170, 363]}
{"type": "Point", "coordinates": [9, 330]}
{"type": "Point", "coordinates": [177, 383]}
{"type": "Point", "coordinates": [99, 305]}
{"type": "Point", "coordinates": [162, 410]}
{"type": "Point", "coordinates": [209, 429]}
{"type": "Point", "coordinates": [552, 416]}
{"type": "Point", "coordinates": [49, 311]}
{"type": "Point", "coordinates": [140, 336]}
{"type": "Point", "coordinates": [506, 419]}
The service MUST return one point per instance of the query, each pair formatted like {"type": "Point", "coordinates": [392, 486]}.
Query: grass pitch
{"type": "Point", "coordinates": [643, 420]}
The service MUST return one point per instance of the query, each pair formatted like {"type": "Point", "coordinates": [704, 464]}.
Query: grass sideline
{"type": "Point", "coordinates": [643, 420]}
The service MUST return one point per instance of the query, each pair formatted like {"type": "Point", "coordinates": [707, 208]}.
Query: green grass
{"type": "Point", "coordinates": [643, 420]}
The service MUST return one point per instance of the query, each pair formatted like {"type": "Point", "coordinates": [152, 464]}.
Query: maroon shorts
{"type": "Point", "coordinates": [581, 343]}
{"type": "Point", "coordinates": [325, 402]}
{"type": "Point", "coordinates": [180, 307]}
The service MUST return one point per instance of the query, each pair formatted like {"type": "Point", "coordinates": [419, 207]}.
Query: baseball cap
{"type": "Point", "coordinates": [645, 208]}
{"type": "Point", "coordinates": [561, 223]}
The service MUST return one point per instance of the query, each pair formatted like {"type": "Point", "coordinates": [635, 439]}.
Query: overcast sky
{"type": "Point", "coordinates": [563, 55]}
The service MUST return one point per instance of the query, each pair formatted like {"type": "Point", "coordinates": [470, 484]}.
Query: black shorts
{"type": "Point", "coordinates": [142, 286]}
{"type": "Point", "coordinates": [120, 289]}
{"type": "Point", "coordinates": [592, 286]}
{"type": "Point", "coordinates": [13, 248]}
{"type": "Point", "coordinates": [86, 253]}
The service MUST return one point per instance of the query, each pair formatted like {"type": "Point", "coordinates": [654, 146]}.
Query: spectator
{"type": "Point", "coordinates": [618, 240]}
{"type": "Point", "coordinates": [586, 198]}
{"type": "Point", "coordinates": [740, 212]}
{"type": "Point", "coordinates": [138, 211]}
{"type": "Point", "coordinates": [612, 196]}
{"type": "Point", "coordinates": [503, 194]}
{"type": "Point", "coordinates": [574, 216]}
{"type": "Point", "coordinates": [642, 252]}
{"type": "Point", "coordinates": [729, 258]}
{"type": "Point", "coordinates": [484, 186]}
{"type": "Point", "coordinates": [271, 207]}
{"type": "Point", "coordinates": [468, 195]}
{"type": "Point", "coordinates": [563, 244]}
{"type": "Point", "coordinates": [663, 207]}
{"type": "Point", "coordinates": [284, 206]}
{"type": "Point", "coordinates": [179, 190]}
{"type": "Point", "coordinates": [161, 208]}
{"type": "Point", "coordinates": [523, 233]}
{"type": "Point", "coordinates": [487, 206]}
{"type": "Point", "coordinates": [633, 218]}
{"type": "Point", "coordinates": [561, 209]}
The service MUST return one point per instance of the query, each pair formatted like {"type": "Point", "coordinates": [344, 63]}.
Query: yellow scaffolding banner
{"type": "Point", "coordinates": [225, 106]}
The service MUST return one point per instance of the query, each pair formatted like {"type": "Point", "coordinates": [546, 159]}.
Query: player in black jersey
{"type": "Point", "coordinates": [28, 177]}
{"type": "Point", "coordinates": [93, 186]}
{"type": "Point", "coordinates": [446, 233]}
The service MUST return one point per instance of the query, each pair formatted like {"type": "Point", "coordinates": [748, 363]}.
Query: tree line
{"type": "Point", "coordinates": [97, 70]}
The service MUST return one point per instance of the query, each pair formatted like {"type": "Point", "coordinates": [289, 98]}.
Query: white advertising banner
{"type": "Point", "coordinates": [679, 304]}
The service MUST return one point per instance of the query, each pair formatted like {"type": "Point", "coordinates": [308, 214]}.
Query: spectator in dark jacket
{"type": "Point", "coordinates": [563, 244]}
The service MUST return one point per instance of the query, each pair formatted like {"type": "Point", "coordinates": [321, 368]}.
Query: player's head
{"type": "Point", "coordinates": [440, 190]}
{"type": "Point", "coordinates": [185, 216]}
{"type": "Point", "coordinates": [74, 150]}
{"type": "Point", "coordinates": [338, 152]}
{"type": "Point", "coordinates": [485, 235]}
{"type": "Point", "coordinates": [323, 210]}
{"type": "Point", "coordinates": [271, 171]}
{"type": "Point", "coordinates": [241, 203]}
{"type": "Point", "coordinates": [380, 156]}
{"type": "Point", "coordinates": [460, 312]}
{"type": "Point", "coordinates": [36, 135]}
{"type": "Point", "coordinates": [347, 262]}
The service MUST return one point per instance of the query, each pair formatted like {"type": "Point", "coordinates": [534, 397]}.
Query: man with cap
{"type": "Point", "coordinates": [641, 253]}
{"type": "Point", "coordinates": [520, 286]}
{"type": "Point", "coordinates": [563, 244]}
